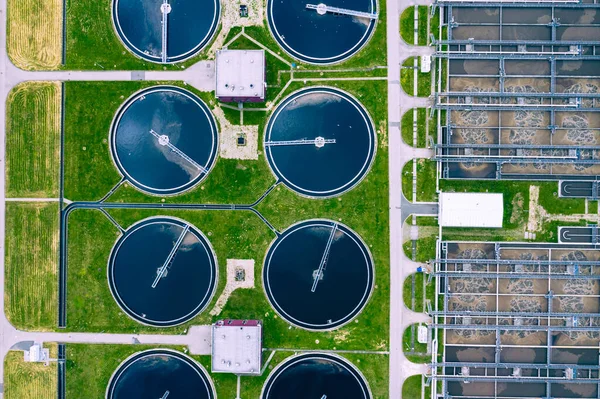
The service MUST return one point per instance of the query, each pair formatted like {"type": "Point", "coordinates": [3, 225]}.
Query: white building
{"type": "Point", "coordinates": [240, 75]}
{"type": "Point", "coordinates": [237, 347]}
{"type": "Point", "coordinates": [471, 210]}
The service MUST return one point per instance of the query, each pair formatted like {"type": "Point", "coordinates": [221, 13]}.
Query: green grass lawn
{"type": "Point", "coordinates": [407, 76]}
{"type": "Point", "coordinates": [552, 203]}
{"type": "Point", "coordinates": [426, 248]}
{"type": "Point", "coordinates": [432, 129]}
{"type": "Point", "coordinates": [24, 380]}
{"type": "Point", "coordinates": [413, 350]}
{"type": "Point", "coordinates": [435, 23]}
{"type": "Point", "coordinates": [33, 140]}
{"type": "Point", "coordinates": [426, 180]}
{"type": "Point", "coordinates": [31, 265]}
{"type": "Point", "coordinates": [549, 230]}
{"type": "Point", "coordinates": [407, 79]}
{"type": "Point", "coordinates": [424, 291]}
{"type": "Point", "coordinates": [407, 127]}
{"type": "Point", "coordinates": [423, 82]}
{"type": "Point", "coordinates": [412, 387]}
{"type": "Point", "coordinates": [422, 131]}
{"type": "Point", "coordinates": [407, 25]}
{"type": "Point", "coordinates": [89, 368]}
{"type": "Point", "coordinates": [593, 207]}
{"type": "Point", "coordinates": [407, 180]}
{"type": "Point", "coordinates": [423, 12]}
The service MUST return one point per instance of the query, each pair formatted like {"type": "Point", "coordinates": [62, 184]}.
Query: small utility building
{"type": "Point", "coordinates": [240, 75]}
{"type": "Point", "coordinates": [237, 347]}
{"type": "Point", "coordinates": [471, 210]}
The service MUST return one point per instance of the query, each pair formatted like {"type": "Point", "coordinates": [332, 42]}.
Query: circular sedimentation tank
{"type": "Point", "coordinates": [159, 372]}
{"type": "Point", "coordinates": [320, 142]}
{"type": "Point", "coordinates": [162, 272]}
{"type": "Point", "coordinates": [190, 25]}
{"type": "Point", "coordinates": [321, 33]}
{"type": "Point", "coordinates": [164, 140]}
{"type": "Point", "coordinates": [316, 375]}
{"type": "Point", "coordinates": [318, 275]}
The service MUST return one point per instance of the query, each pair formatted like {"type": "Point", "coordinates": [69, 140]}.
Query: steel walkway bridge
{"type": "Point", "coordinates": [322, 9]}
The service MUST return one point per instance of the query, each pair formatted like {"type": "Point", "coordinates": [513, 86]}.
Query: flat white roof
{"type": "Point", "coordinates": [240, 73]}
{"type": "Point", "coordinates": [236, 348]}
{"type": "Point", "coordinates": [471, 210]}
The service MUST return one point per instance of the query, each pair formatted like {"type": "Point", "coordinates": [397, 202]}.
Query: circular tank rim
{"type": "Point", "coordinates": [349, 54]}
{"type": "Point", "coordinates": [171, 352]}
{"type": "Point", "coordinates": [347, 364]}
{"type": "Point", "coordinates": [361, 109]}
{"type": "Point", "coordinates": [207, 245]}
{"type": "Point", "coordinates": [208, 38]}
{"type": "Point", "coordinates": [117, 118]}
{"type": "Point", "coordinates": [359, 308]}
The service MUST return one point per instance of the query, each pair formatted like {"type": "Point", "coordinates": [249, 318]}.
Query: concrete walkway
{"type": "Point", "coordinates": [200, 75]}
{"type": "Point", "coordinates": [198, 339]}
{"type": "Point", "coordinates": [400, 153]}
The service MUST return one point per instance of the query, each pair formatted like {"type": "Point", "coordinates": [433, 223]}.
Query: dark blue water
{"type": "Point", "coordinates": [319, 39]}
{"type": "Point", "coordinates": [341, 293]}
{"type": "Point", "coordinates": [190, 26]}
{"type": "Point", "coordinates": [170, 111]}
{"type": "Point", "coordinates": [150, 374]}
{"type": "Point", "coordinates": [314, 375]}
{"type": "Point", "coordinates": [186, 287]}
{"type": "Point", "coordinates": [333, 168]}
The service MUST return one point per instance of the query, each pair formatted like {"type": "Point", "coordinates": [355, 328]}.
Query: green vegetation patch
{"type": "Point", "coordinates": [424, 291]}
{"type": "Point", "coordinates": [426, 248]}
{"type": "Point", "coordinates": [31, 258]}
{"type": "Point", "coordinates": [593, 207]}
{"type": "Point", "coordinates": [549, 230]}
{"type": "Point", "coordinates": [556, 205]}
{"type": "Point", "coordinates": [33, 140]}
{"type": "Point", "coordinates": [407, 127]}
{"type": "Point", "coordinates": [407, 78]}
{"type": "Point", "coordinates": [422, 29]}
{"type": "Point", "coordinates": [25, 380]}
{"type": "Point", "coordinates": [413, 387]}
{"type": "Point", "coordinates": [407, 25]}
{"type": "Point", "coordinates": [414, 351]}
{"type": "Point", "coordinates": [426, 180]}
{"type": "Point", "coordinates": [426, 127]}
{"type": "Point", "coordinates": [407, 180]}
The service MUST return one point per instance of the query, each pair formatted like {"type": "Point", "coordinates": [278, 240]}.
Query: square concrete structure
{"type": "Point", "coordinates": [237, 347]}
{"type": "Point", "coordinates": [471, 210]}
{"type": "Point", "coordinates": [240, 75]}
